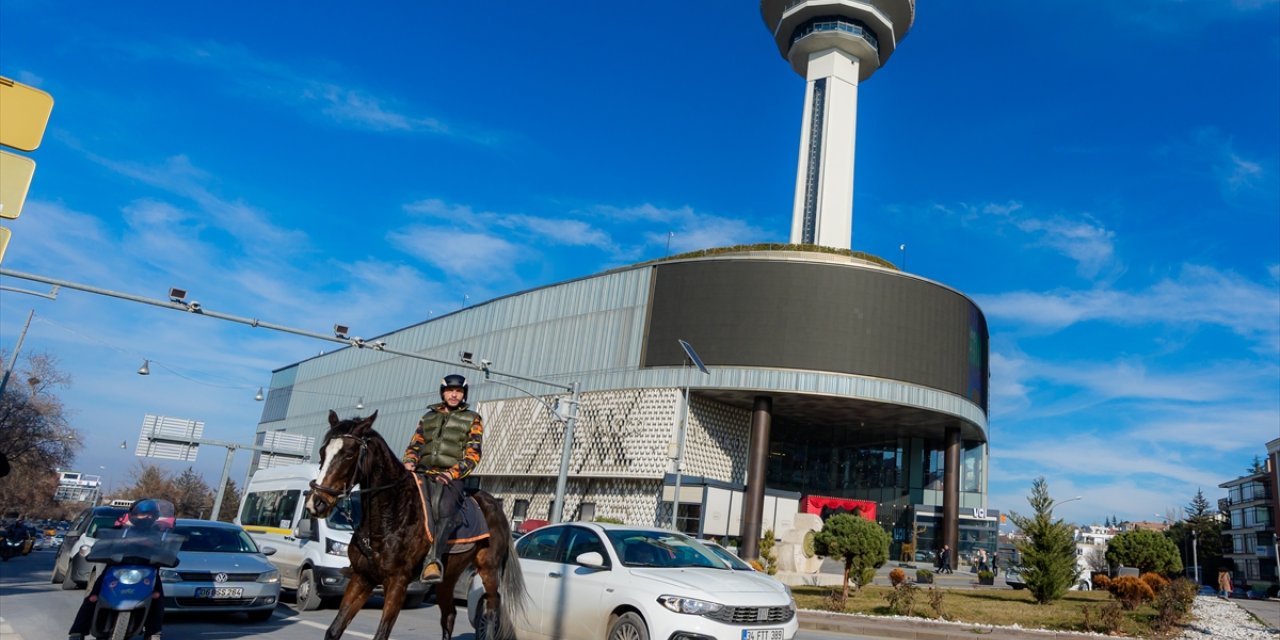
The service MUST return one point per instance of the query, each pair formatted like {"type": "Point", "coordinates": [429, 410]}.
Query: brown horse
{"type": "Point", "coordinates": [389, 543]}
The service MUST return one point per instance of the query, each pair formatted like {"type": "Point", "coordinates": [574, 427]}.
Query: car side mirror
{"type": "Point", "coordinates": [591, 559]}
{"type": "Point", "coordinates": [304, 529]}
{"type": "Point", "coordinates": [266, 551]}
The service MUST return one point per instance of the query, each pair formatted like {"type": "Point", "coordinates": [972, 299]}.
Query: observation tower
{"type": "Point", "coordinates": [834, 45]}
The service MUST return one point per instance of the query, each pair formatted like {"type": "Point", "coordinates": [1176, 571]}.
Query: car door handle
{"type": "Point", "coordinates": [553, 575]}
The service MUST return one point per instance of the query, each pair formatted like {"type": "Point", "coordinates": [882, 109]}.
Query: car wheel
{"type": "Point", "coordinates": [307, 598]}
{"type": "Point", "coordinates": [260, 616]}
{"type": "Point", "coordinates": [628, 626]}
{"type": "Point", "coordinates": [57, 575]}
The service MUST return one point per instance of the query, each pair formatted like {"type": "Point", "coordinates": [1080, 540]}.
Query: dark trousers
{"type": "Point", "coordinates": [444, 501]}
{"type": "Point", "coordinates": [84, 617]}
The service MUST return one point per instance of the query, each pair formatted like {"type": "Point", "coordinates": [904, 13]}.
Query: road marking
{"type": "Point", "coordinates": [317, 625]}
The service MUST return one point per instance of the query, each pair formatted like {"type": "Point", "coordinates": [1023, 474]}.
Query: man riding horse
{"type": "Point", "coordinates": [444, 449]}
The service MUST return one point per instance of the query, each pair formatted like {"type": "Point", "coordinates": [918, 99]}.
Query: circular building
{"type": "Point", "coordinates": [831, 382]}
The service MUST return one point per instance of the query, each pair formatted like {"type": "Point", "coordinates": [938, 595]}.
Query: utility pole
{"type": "Point", "coordinates": [13, 358]}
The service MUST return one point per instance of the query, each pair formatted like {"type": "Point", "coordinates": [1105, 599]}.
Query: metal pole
{"type": "Point", "coordinates": [557, 512]}
{"type": "Point", "coordinates": [222, 485]}
{"type": "Point", "coordinates": [1195, 554]}
{"type": "Point", "coordinates": [684, 421]}
{"type": "Point", "coordinates": [13, 358]}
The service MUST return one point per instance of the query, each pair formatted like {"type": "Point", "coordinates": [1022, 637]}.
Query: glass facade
{"type": "Point", "coordinates": [836, 23]}
{"type": "Point", "coordinates": [902, 475]}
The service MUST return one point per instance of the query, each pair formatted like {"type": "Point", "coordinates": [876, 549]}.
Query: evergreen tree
{"type": "Point", "coordinates": [1049, 552]}
{"type": "Point", "coordinates": [1258, 466]}
{"type": "Point", "coordinates": [230, 502]}
{"type": "Point", "coordinates": [1199, 538]}
{"type": "Point", "coordinates": [1149, 551]}
{"type": "Point", "coordinates": [861, 543]}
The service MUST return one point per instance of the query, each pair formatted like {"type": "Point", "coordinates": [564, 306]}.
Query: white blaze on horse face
{"type": "Point", "coordinates": [330, 452]}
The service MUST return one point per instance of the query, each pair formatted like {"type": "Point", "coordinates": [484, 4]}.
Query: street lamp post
{"type": "Point", "coordinates": [683, 426]}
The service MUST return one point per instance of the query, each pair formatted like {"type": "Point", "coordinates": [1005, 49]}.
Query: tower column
{"type": "Point", "coordinates": [823, 210]}
{"type": "Point", "coordinates": [757, 468]}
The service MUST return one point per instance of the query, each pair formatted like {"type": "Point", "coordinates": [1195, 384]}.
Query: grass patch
{"type": "Point", "coordinates": [989, 607]}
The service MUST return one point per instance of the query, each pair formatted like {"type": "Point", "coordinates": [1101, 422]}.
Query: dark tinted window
{"type": "Point", "coordinates": [540, 545]}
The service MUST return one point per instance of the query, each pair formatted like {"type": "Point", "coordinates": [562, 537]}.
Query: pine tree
{"type": "Point", "coordinates": [860, 543]}
{"type": "Point", "coordinates": [1258, 466]}
{"type": "Point", "coordinates": [1049, 552]}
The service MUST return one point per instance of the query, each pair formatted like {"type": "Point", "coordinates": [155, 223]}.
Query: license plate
{"type": "Point", "coordinates": [762, 634]}
{"type": "Point", "coordinates": [219, 592]}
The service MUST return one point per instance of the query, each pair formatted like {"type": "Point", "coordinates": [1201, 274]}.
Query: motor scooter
{"type": "Point", "coordinates": [10, 548]}
{"type": "Point", "coordinates": [132, 568]}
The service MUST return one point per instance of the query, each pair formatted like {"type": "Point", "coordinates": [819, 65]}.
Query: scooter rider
{"type": "Point", "coordinates": [444, 449]}
{"type": "Point", "coordinates": [142, 520]}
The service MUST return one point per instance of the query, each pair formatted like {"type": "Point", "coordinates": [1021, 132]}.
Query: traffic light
{"type": "Point", "coordinates": [24, 112]}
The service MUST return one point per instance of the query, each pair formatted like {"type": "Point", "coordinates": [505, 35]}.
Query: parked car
{"type": "Point", "coordinates": [463, 587]}
{"type": "Point", "coordinates": [70, 567]}
{"type": "Point", "coordinates": [1013, 578]}
{"type": "Point", "coordinates": [593, 580]}
{"type": "Point", "coordinates": [220, 568]}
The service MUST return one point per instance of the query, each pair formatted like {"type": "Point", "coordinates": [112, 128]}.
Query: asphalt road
{"type": "Point", "coordinates": [39, 610]}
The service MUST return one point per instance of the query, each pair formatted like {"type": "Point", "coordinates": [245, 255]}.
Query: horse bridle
{"type": "Point", "coordinates": [338, 495]}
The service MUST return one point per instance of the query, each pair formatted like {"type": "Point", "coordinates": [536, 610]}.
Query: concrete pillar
{"type": "Point", "coordinates": [757, 469]}
{"type": "Point", "coordinates": [951, 494]}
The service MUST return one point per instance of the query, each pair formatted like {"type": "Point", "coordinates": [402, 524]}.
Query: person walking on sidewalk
{"type": "Point", "coordinates": [1224, 583]}
{"type": "Point", "coordinates": [944, 559]}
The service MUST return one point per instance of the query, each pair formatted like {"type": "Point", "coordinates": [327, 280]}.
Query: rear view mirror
{"type": "Point", "coordinates": [304, 529]}
{"type": "Point", "coordinates": [266, 551]}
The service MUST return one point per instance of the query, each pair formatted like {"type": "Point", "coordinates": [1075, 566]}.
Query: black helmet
{"type": "Point", "coordinates": [144, 513]}
{"type": "Point", "coordinates": [453, 380]}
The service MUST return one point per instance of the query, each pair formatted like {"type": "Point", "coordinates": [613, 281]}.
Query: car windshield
{"type": "Point", "coordinates": [733, 561]}
{"type": "Point", "coordinates": [345, 515]}
{"type": "Point", "coordinates": [215, 539]}
{"type": "Point", "coordinates": [662, 549]}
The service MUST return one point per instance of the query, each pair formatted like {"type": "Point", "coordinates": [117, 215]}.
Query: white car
{"type": "Point", "coordinates": [589, 581]}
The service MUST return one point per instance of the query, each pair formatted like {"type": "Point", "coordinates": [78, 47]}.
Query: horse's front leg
{"type": "Point", "coordinates": [358, 590]}
{"type": "Point", "coordinates": [393, 592]}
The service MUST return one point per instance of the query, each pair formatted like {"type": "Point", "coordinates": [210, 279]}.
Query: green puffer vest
{"type": "Point", "coordinates": [446, 438]}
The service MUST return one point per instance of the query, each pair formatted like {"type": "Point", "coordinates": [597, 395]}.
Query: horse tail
{"type": "Point", "coordinates": [510, 578]}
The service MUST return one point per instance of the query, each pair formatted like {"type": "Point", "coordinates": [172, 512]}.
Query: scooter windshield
{"type": "Point", "coordinates": [125, 546]}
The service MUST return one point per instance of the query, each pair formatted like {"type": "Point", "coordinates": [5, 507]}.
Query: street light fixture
{"type": "Point", "coordinates": [145, 369]}
{"type": "Point", "coordinates": [684, 424]}
{"type": "Point", "coordinates": [258, 396]}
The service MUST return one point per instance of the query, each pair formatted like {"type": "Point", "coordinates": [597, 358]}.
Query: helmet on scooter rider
{"type": "Point", "coordinates": [144, 514]}
{"type": "Point", "coordinates": [455, 381]}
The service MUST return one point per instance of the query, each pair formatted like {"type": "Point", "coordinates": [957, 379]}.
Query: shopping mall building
{"type": "Point", "coordinates": [827, 376]}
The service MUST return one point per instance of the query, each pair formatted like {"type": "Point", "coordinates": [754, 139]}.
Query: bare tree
{"type": "Point", "coordinates": [35, 434]}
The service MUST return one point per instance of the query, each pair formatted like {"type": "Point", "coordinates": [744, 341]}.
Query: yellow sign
{"type": "Point", "coordinates": [4, 241]}
{"type": "Point", "coordinates": [24, 112]}
{"type": "Point", "coordinates": [15, 179]}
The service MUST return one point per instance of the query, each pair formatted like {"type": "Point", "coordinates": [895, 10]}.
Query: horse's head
{"type": "Point", "coordinates": [343, 458]}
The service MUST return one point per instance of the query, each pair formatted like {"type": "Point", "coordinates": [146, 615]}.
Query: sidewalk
{"type": "Point", "coordinates": [1267, 611]}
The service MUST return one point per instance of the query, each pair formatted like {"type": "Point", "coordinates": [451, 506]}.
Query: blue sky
{"type": "Point", "coordinates": [1101, 177]}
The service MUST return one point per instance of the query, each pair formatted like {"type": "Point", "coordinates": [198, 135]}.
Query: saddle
{"type": "Point", "coordinates": [470, 527]}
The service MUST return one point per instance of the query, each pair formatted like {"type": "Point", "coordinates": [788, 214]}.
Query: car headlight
{"type": "Point", "coordinates": [691, 606]}
{"type": "Point", "coordinates": [269, 577]}
{"type": "Point", "coordinates": [128, 576]}
{"type": "Point", "coordinates": [333, 547]}
{"type": "Point", "coordinates": [170, 576]}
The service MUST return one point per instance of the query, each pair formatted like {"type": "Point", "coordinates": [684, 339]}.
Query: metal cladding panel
{"type": "Point", "coordinates": [819, 317]}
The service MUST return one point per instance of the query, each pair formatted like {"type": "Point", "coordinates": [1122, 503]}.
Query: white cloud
{"type": "Point", "coordinates": [470, 256]}
{"type": "Point", "coordinates": [1199, 295]}
{"type": "Point", "coordinates": [1080, 238]}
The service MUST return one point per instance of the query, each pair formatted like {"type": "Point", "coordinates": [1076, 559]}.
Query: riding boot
{"type": "Point", "coordinates": [432, 569]}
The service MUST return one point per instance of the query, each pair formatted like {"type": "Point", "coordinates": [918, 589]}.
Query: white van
{"type": "Point", "coordinates": [310, 553]}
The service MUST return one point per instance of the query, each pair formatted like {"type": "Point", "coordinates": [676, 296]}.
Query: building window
{"type": "Point", "coordinates": [520, 510]}
{"type": "Point", "coordinates": [689, 519]}
{"type": "Point", "coordinates": [587, 512]}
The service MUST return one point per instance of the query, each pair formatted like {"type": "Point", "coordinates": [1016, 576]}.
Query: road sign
{"type": "Point", "coordinates": [15, 179]}
{"type": "Point", "coordinates": [24, 112]}
{"type": "Point", "coordinates": [4, 241]}
{"type": "Point", "coordinates": [169, 438]}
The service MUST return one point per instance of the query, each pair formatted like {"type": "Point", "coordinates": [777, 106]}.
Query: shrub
{"type": "Point", "coordinates": [1155, 581]}
{"type": "Point", "coordinates": [924, 575]}
{"type": "Point", "coordinates": [866, 577]}
{"type": "Point", "coordinates": [610, 520]}
{"type": "Point", "coordinates": [897, 576]}
{"type": "Point", "coordinates": [902, 599]}
{"type": "Point", "coordinates": [1149, 551]}
{"type": "Point", "coordinates": [1109, 617]}
{"type": "Point", "coordinates": [767, 554]}
{"type": "Point", "coordinates": [862, 544]}
{"type": "Point", "coordinates": [1131, 592]}
{"type": "Point", "coordinates": [935, 602]}
{"type": "Point", "coordinates": [986, 575]}
{"type": "Point", "coordinates": [1101, 582]}
{"type": "Point", "coordinates": [1173, 604]}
